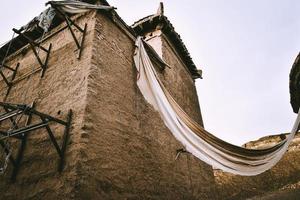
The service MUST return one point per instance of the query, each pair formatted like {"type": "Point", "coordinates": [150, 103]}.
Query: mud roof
{"type": "Point", "coordinates": [159, 21]}
{"type": "Point", "coordinates": [295, 84]}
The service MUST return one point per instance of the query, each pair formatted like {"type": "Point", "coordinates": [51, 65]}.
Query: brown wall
{"type": "Point", "coordinates": [119, 148]}
{"type": "Point", "coordinates": [130, 153]}
{"type": "Point", "coordinates": [179, 82]}
{"type": "Point", "coordinates": [62, 88]}
{"type": "Point", "coordinates": [176, 77]}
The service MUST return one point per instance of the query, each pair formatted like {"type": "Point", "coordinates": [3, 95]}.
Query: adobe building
{"type": "Point", "coordinates": [118, 147]}
{"type": "Point", "coordinates": [113, 145]}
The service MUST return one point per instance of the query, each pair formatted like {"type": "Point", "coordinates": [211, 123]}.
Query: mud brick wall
{"type": "Point", "coordinates": [179, 82]}
{"type": "Point", "coordinates": [119, 148]}
{"type": "Point", "coordinates": [62, 88]}
{"type": "Point", "coordinates": [130, 154]}
{"type": "Point", "coordinates": [176, 77]}
{"type": "Point", "coordinates": [286, 172]}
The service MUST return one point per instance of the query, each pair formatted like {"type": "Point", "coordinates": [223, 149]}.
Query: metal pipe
{"type": "Point", "coordinates": [10, 115]}
{"type": "Point", "coordinates": [24, 130]}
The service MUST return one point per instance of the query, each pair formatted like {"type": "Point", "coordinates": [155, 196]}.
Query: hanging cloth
{"type": "Point", "coordinates": [46, 18]}
{"type": "Point", "coordinates": [74, 7]}
{"type": "Point", "coordinates": [44, 21]}
{"type": "Point", "coordinates": [195, 139]}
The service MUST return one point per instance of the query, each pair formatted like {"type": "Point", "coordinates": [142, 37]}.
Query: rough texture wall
{"type": "Point", "coordinates": [119, 147]}
{"type": "Point", "coordinates": [177, 78]}
{"type": "Point", "coordinates": [179, 82]}
{"type": "Point", "coordinates": [130, 153]}
{"type": "Point", "coordinates": [62, 88]}
{"type": "Point", "coordinates": [285, 176]}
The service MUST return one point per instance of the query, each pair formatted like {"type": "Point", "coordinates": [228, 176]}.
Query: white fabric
{"type": "Point", "coordinates": [75, 7]}
{"type": "Point", "coordinates": [194, 138]}
{"type": "Point", "coordinates": [44, 21]}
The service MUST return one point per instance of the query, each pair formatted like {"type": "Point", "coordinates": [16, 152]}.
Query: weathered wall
{"type": "Point", "coordinates": [177, 78]}
{"type": "Point", "coordinates": [119, 147]}
{"type": "Point", "coordinates": [179, 82]}
{"type": "Point", "coordinates": [62, 88]}
{"type": "Point", "coordinates": [130, 154]}
{"type": "Point", "coordinates": [285, 173]}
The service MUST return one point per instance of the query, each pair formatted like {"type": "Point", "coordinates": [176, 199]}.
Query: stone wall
{"type": "Point", "coordinates": [283, 175]}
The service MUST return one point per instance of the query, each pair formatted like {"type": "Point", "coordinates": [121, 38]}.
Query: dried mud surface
{"type": "Point", "coordinates": [119, 148]}
{"type": "Point", "coordinates": [280, 182]}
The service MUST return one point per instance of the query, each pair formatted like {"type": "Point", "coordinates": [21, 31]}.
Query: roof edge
{"type": "Point", "coordinates": [159, 21]}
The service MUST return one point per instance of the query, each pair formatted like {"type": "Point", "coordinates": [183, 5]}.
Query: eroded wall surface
{"type": "Point", "coordinates": [130, 152]}
{"type": "Point", "coordinates": [119, 148]}
{"type": "Point", "coordinates": [62, 88]}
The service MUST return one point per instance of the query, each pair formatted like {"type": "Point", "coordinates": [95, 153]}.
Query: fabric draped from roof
{"type": "Point", "coordinates": [75, 7]}
{"type": "Point", "coordinates": [196, 140]}
{"type": "Point", "coordinates": [45, 19]}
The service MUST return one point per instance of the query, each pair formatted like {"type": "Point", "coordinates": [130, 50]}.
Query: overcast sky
{"type": "Point", "coordinates": [245, 49]}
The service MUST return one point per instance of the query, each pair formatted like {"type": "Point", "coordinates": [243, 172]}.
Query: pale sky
{"type": "Point", "coordinates": [244, 47]}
